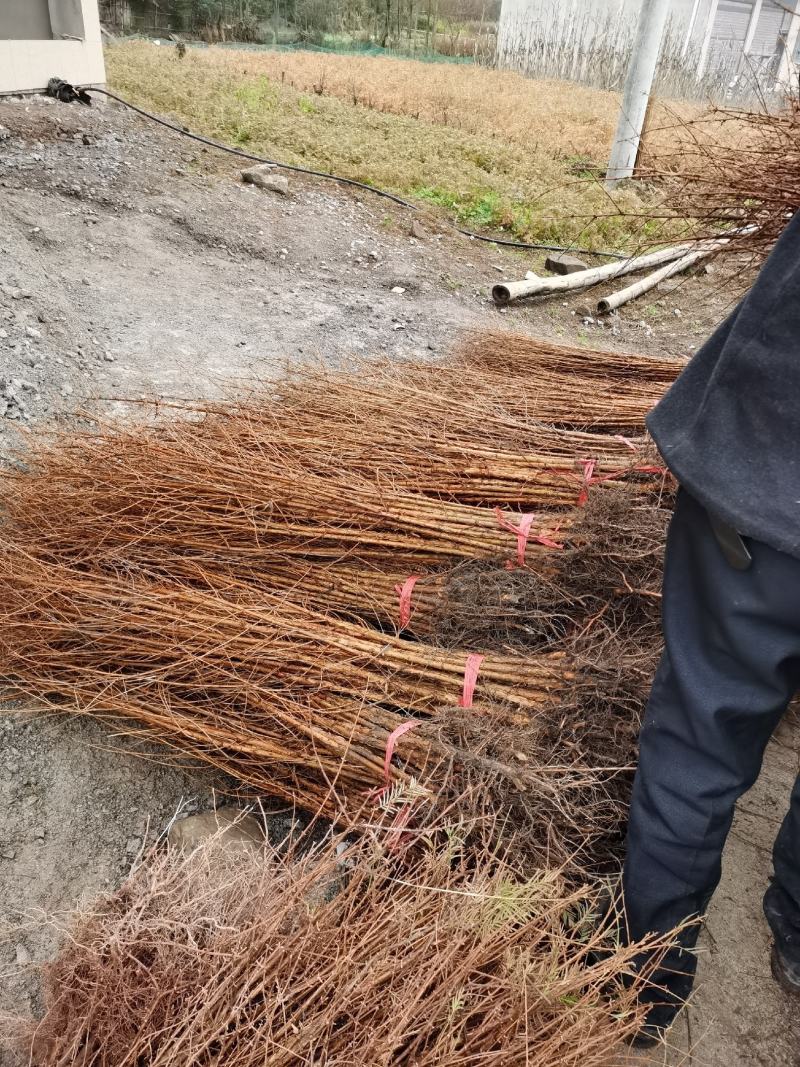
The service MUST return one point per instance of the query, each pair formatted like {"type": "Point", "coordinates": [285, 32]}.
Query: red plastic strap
{"type": "Point", "coordinates": [588, 475]}
{"type": "Point", "coordinates": [395, 837]}
{"type": "Point", "coordinates": [523, 534]}
{"type": "Point", "coordinates": [590, 479]}
{"type": "Point", "coordinates": [404, 591]}
{"type": "Point", "coordinates": [471, 671]}
{"type": "Point", "coordinates": [639, 470]}
{"type": "Point", "coordinates": [391, 741]}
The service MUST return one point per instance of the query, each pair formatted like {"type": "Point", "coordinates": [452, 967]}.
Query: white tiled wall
{"type": "Point", "coordinates": [29, 65]}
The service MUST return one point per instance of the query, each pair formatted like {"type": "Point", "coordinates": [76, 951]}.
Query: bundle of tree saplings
{"type": "Point", "coordinates": [580, 397]}
{"type": "Point", "coordinates": [433, 462]}
{"type": "Point", "coordinates": [529, 357]}
{"type": "Point", "coordinates": [183, 492]}
{"type": "Point", "coordinates": [299, 704]}
{"type": "Point", "coordinates": [472, 604]}
{"type": "Point", "coordinates": [609, 569]}
{"type": "Point", "coordinates": [398, 396]}
{"type": "Point", "coordinates": [280, 594]}
{"type": "Point", "coordinates": [366, 950]}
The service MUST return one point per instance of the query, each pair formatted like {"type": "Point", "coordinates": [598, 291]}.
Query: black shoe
{"type": "Point", "coordinates": [785, 973]}
{"type": "Point", "coordinates": [645, 1038]}
{"type": "Point", "coordinates": [657, 1022]}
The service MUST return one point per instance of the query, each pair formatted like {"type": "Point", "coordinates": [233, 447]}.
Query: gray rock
{"type": "Point", "coordinates": [276, 183]}
{"type": "Point", "coordinates": [31, 331]}
{"type": "Point", "coordinates": [250, 173]}
{"type": "Point", "coordinates": [236, 830]}
{"type": "Point", "coordinates": [8, 854]}
{"type": "Point", "coordinates": [22, 956]}
{"type": "Point", "coordinates": [264, 177]}
{"type": "Point", "coordinates": [563, 263]}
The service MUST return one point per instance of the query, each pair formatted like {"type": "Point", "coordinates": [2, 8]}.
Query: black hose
{"type": "Point", "coordinates": [248, 155]}
{"type": "Point", "coordinates": [336, 178]}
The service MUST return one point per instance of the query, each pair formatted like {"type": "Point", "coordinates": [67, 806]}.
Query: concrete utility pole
{"type": "Point", "coordinates": [639, 83]}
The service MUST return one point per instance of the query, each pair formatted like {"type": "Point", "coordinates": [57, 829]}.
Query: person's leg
{"type": "Point", "coordinates": [782, 900]}
{"type": "Point", "coordinates": [730, 667]}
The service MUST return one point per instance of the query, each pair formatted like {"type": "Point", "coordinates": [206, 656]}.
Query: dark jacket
{"type": "Point", "coordinates": [729, 428]}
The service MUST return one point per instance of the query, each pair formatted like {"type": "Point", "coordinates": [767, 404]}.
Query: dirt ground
{"type": "Point", "coordinates": [134, 264]}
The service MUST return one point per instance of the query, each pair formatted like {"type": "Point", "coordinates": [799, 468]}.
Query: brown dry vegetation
{"type": "Point", "coordinates": [501, 105]}
{"type": "Point", "coordinates": [385, 954]}
{"type": "Point", "coordinates": [138, 566]}
{"type": "Point", "coordinates": [491, 147]}
{"type": "Point", "coordinates": [199, 555]}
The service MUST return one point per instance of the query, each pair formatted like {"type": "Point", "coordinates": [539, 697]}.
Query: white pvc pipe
{"type": "Point", "coordinates": [631, 292]}
{"type": "Point", "coordinates": [610, 303]}
{"type": "Point", "coordinates": [507, 292]}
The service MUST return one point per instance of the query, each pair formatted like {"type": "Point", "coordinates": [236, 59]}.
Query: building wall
{"type": "Point", "coordinates": [25, 20]}
{"type": "Point", "coordinates": [583, 40]}
{"type": "Point", "coordinates": [26, 65]}
{"type": "Point", "coordinates": [591, 16]}
{"type": "Point", "coordinates": [590, 41]}
{"type": "Point", "coordinates": [733, 18]}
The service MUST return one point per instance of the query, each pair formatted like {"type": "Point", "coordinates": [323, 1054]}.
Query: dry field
{"type": "Point", "coordinates": [492, 148]}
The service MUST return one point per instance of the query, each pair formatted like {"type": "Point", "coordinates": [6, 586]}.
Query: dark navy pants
{"type": "Point", "coordinates": [730, 667]}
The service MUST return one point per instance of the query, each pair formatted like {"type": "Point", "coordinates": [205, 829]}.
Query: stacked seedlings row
{"type": "Point", "coordinates": [372, 952]}
{"type": "Point", "coordinates": [203, 578]}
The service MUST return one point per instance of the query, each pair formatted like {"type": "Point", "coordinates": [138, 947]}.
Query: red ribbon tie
{"type": "Point", "coordinates": [471, 670]}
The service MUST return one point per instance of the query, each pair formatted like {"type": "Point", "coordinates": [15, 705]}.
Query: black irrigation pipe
{"type": "Point", "coordinates": [337, 178]}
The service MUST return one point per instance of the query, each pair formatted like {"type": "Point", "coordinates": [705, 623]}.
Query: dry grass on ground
{"type": "Point", "coordinates": [501, 105]}
{"type": "Point", "coordinates": [491, 147]}
{"type": "Point", "coordinates": [374, 954]}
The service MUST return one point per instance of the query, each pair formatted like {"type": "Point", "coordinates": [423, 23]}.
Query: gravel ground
{"type": "Point", "coordinates": [134, 264]}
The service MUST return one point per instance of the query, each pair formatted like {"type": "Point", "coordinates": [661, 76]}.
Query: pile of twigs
{"type": "Point", "coordinates": [280, 594]}
{"type": "Point", "coordinates": [297, 704]}
{"type": "Point", "coordinates": [735, 170]}
{"type": "Point", "coordinates": [496, 350]}
{"type": "Point", "coordinates": [372, 953]}
{"type": "Point", "coordinates": [190, 493]}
